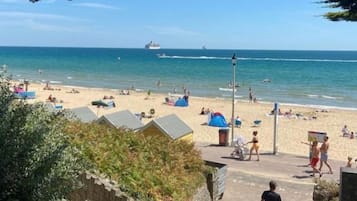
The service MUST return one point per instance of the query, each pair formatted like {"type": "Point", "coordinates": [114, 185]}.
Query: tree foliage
{"type": "Point", "coordinates": [148, 168]}
{"type": "Point", "coordinates": [348, 10]}
{"type": "Point", "coordinates": [37, 161]}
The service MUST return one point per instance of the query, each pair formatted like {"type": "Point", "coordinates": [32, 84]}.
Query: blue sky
{"type": "Point", "coordinates": [228, 24]}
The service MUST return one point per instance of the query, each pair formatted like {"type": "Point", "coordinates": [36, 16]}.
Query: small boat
{"type": "Point", "coordinates": [152, 46]}
{"type": "Point", "coordinates": [266, 80]}
{"type": "Point", "coordinates": [204, 47]}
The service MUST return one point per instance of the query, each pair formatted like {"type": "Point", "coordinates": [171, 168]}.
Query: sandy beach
{"type": "Point", "coordinates": [291, 130]}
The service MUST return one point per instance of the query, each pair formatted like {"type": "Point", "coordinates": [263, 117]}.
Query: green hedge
{"type": "Point", "coordinates": [148, 168]}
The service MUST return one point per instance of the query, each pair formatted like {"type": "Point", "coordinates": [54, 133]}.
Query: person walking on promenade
{"type": "Point", "coordinates": [315, 158]}
{"type": "Point", "coordinates": [255, 146]}
{"type": "Point", "coordinates": [349, 162]}
{"type": "Point", "coordinates": [271, 195]}
{"type": "Point", "coordinates": [324, 156]}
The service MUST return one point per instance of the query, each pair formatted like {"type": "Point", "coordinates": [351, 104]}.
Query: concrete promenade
{"type": "Point", "coordinates": [246, 180]}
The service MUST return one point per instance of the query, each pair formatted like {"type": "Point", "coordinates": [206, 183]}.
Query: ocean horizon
{"type": "Point", "coordinates": [296, 77]}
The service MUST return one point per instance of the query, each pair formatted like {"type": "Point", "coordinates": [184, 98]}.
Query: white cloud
{"type": "Point", "coordinates": [40, 21]}
{"type": "Point", "coordinates": [172, 31]}
{"type": "Point", "coordinates": [29, 15]}
{"type": "Point", "coordinates": [96, 5]}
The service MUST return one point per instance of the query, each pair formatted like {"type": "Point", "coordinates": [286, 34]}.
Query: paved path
{"type": "Point", "coordinates": [246, 180]}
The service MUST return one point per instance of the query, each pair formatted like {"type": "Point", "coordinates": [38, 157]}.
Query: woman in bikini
{"type": "Point", "coordinates": [255, 146]}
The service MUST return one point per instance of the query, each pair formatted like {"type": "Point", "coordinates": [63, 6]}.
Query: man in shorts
{"type": "Point", "coordinates": [315, 158]}
{"type": "Point", "coordinates": [324, 156]}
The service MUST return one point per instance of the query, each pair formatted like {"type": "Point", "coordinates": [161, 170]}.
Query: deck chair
{"type": "Point", "coordinates": [238, 123]}
{"type": "Point", "coordinates": [257, 123]}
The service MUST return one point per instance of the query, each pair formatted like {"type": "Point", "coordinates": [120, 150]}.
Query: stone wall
{"type": "Point", "coordinates": [98, 189]}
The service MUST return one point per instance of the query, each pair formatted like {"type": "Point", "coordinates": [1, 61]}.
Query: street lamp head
{"type": "Point", "coordinates": [234, 59]}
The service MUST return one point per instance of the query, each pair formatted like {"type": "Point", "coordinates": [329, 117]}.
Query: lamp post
{"type": "Point", "coordinates": [234, 63]}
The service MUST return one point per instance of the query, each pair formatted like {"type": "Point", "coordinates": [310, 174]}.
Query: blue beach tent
{"type": "Point", "coordinates": [181, 103]}
{"type": "Point", "coordinates": [218, 120]}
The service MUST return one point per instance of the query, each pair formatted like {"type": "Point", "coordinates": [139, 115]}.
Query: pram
{"type": "Point", "coordinates": [240, 148]}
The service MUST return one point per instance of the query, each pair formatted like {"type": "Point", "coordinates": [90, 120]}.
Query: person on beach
{"type": "Point", "coordinates": [202, 111]}
{"type": "Point", "coordinates": [345, 131]}
{"type": "Point", "coordinates": [349, 162]}
{"type": "Point", "coordinates": [271, 195]}
{"type": "Point", "coordinates": [250, 94]}
{"type": "Point", "coordinates": [255, 146]}
{"type": "Point", "coordinates": [158, 84]}
{"type": "Point", "coordinates": [324, 156]}
{"type": "Point", "coordinates": [315, 158]}
{"type": "Point", "coordinates": [148, 93]}
{"type": "Point", "coordinates": [184, 89]}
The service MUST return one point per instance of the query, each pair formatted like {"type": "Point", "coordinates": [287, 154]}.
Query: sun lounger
{"type": "Point", "coordinates": [238, 123]}
{"type": "Point", "coordinates": [257, 122]}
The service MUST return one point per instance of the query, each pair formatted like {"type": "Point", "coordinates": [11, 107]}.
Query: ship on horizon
{"type": "Point", "coordinates": [152, 46]}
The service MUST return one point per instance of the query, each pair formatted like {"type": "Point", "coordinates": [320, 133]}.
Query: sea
{"type": "Point", "coordinates": [325, 79]}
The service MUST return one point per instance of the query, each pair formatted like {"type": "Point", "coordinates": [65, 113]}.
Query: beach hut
{"type": "Point", "coordinates": [119, 119]}
{"type": "Point", "coordinates": [170, 126]}
{"type": "Point", "coordinates": [84, 114]}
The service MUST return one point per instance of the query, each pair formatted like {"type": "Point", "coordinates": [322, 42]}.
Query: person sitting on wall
{"type": "Point", "coordinates": [202, 111]}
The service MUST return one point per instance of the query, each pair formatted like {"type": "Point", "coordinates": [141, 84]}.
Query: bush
{"type": "Point", "coordinates": [37, 162]}
{"type": "Point", "coordinates": [148, 168]}
{"type": "Point", "coordinates": [326, 191]}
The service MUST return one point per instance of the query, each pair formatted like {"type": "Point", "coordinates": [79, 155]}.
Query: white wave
{"type": "Point", "coordinates": [190, 57]}
{"type": "Point", "coordinates": [69, 77]}
{"type": "Point", "coordinates": [230, 96]}
{"type": "Point", "coordinates": [313, 95]}
{"type": "Point", "coordinates": [226, 89]}
{"type": "Point", "coordinates": [300, 60]}
{"type": "Point", "coordinates": [330, 97]}
{"type": "Point", "coordinates": [323, 96]}
{"type": "Point", "coordinates": [75, 87]}
{"type": "Point", "coordinates": [55, 82]}
{"type": "Point", "coordinates": [258, 59]}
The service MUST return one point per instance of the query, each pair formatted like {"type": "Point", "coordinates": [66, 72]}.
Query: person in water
{"type": "Point", "coordinates": [255, 146]}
